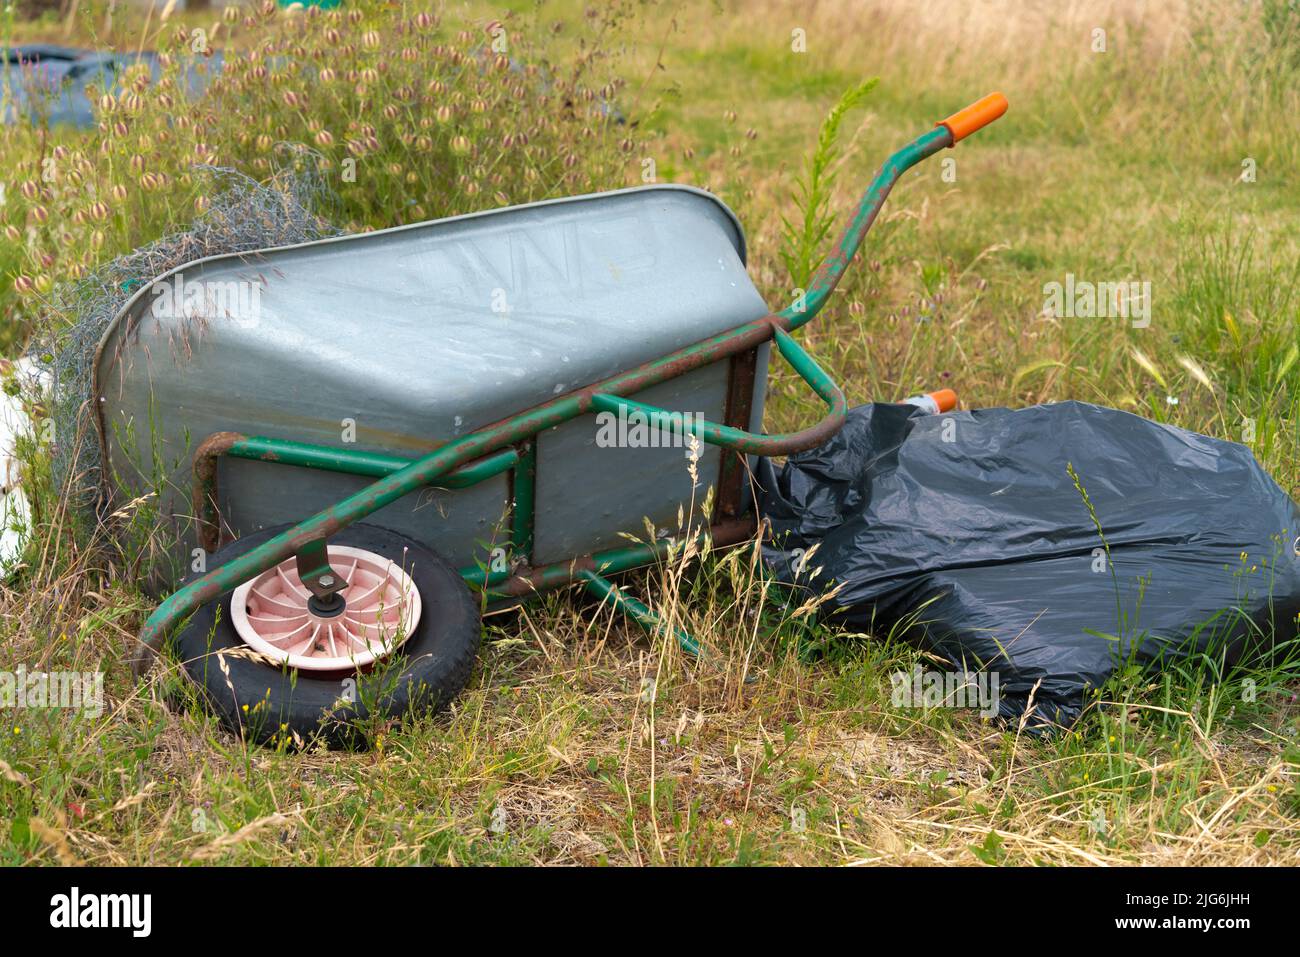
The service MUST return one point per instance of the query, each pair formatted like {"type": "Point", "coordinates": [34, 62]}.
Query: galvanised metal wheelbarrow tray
{"type": "Point", "coordinates": [440, 380]}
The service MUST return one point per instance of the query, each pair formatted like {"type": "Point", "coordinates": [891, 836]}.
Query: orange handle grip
{"type": "Point", "coordinates": [945, 399]}
{"type": "Point", "coordinates": [976, 116]}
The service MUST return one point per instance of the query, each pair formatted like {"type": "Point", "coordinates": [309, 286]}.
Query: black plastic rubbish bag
{"type": "Point", "coordinates": [966, 533]}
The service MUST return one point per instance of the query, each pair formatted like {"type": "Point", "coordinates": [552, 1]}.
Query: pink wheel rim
{"type": "Point", "coordinates": [270, 613]}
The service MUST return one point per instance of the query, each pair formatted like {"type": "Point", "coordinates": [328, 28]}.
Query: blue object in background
{"type": "Point", "coordinates": [44, 83]}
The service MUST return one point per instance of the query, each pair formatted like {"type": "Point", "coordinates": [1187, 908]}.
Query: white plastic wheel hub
{"type": "Point", "coordinates": [270, 613]}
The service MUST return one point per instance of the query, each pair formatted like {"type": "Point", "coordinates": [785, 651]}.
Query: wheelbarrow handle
{"type": "Point", "coordinates": [946, 133]}
{"type": "Point", "coordinates": [974, 117]}
{"type": "Point", "coordinates": [738, 440]}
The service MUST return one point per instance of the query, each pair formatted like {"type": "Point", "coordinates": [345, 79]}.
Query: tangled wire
{"type": "Point", "coordinates": [243, 215]}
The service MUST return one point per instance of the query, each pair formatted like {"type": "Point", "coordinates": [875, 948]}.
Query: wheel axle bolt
{"type": "Point", "coordinates": [327, 581]}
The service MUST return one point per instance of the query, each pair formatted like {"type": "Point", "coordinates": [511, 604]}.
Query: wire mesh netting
{"type": "Point", "coordinates": [243, 215]}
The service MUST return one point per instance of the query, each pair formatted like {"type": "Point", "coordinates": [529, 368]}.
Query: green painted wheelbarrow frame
{"type": "Point", "coordinates": [509, 446]}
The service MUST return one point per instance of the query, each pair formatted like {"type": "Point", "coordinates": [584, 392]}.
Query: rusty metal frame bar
{"type": "Point", "coordinates": [741, 378]}
{"type": "Point", "coordinates": [205, 496]}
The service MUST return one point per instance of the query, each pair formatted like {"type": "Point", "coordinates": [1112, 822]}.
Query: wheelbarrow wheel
{"type": "Point", "coordinates": [270, 701]}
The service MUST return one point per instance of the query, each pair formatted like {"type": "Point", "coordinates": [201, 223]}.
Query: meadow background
{"type": "Point", "coordinates": [1168, 157]}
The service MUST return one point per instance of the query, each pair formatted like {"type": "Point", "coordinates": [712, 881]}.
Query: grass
{"type": "Point", "coordinates": [581, 741]}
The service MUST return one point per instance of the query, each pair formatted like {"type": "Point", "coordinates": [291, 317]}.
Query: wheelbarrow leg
{"type": "Point", "coordinates": [650, 622]}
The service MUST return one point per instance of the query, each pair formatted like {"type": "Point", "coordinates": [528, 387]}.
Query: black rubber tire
{"type": "Point", "coordinates": [431, 668]}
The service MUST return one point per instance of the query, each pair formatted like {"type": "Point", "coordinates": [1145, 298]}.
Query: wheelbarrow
{"type": "Point", "coordinates": [445, 381]}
